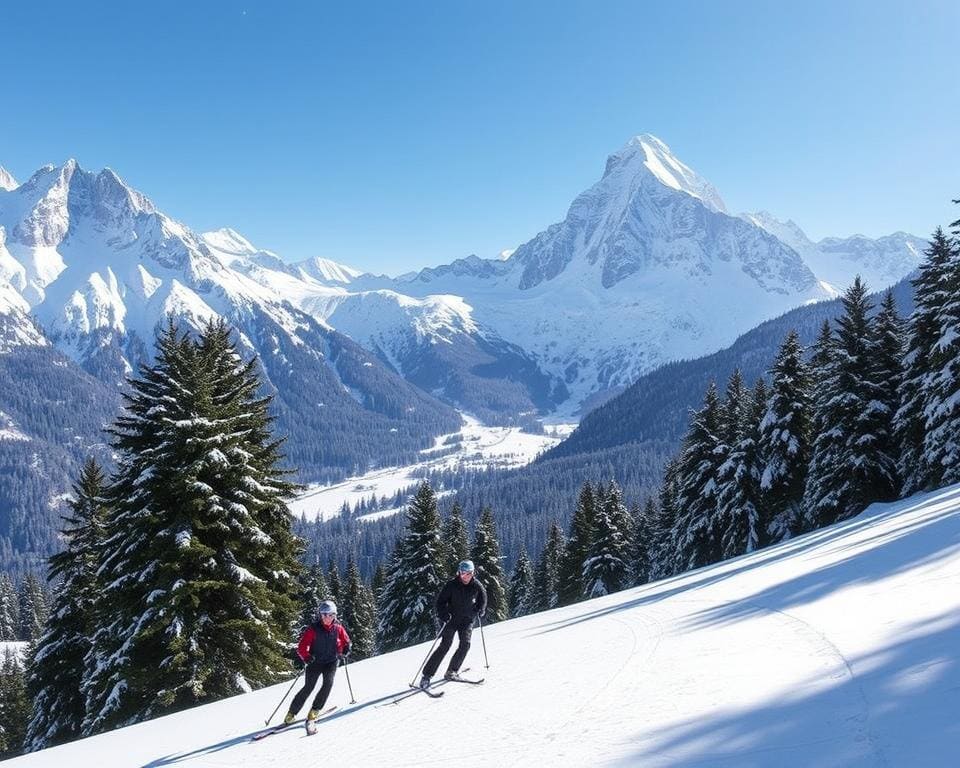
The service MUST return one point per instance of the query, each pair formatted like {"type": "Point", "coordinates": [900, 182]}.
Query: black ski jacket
{"type": "Point", "coordinates": [462, 602]}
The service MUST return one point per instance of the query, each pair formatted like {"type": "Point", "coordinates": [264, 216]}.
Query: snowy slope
{"type": "Point", "coordinates": [835, 649]}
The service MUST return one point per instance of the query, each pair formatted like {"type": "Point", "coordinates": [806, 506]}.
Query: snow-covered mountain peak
{"type": "Point", "coordinates": [327, 271]}
{"type": "Point", "coordinates": [836, 261]}
{"type": "Point", "coordinates": [647, 153]}
{"type": "Point", "coordinates": [229, 241]}
{"type": "Point", "coordinates": [7, 182]}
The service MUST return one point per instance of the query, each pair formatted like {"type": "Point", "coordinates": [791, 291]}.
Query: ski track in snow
{"type": "Point", "coordinates": [834, 649]}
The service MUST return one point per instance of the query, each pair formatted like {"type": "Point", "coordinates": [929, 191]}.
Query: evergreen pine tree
{"type": "Point", "coordinates": [487, 561]}
{"type": "Point", "coordinates": [694, 538]}
{"type": "Point", "coordinates": [735, 401]}
{"type": "Point", "coordinates": [942, 439]}
{"type": "Point", "coordinates": [33, 608]}
{"type": "Point", "coordinates": [314, 592]}
{"type": "Point", "coordinates": [9, 610]}
{"type": "Point", "coordinates": [334, 585]}
{"type": "Point", "coordinates": [546, 574]}
{"type": "Point", "coordinates": [910, 421]}
{"type": "Point", "coordinates": [199, 561]}
{"type": "Point", "coordinates": [888, 330]}
{"type": "Point", "coordinates": [784, 443]}
{"type": "Point", "coordinates": [577, 548]}
{"type": "Point", "coordinates": [607, 568]}
{"type": "Point", "coordinates": [378, 580]}
{"type": "Point", "coordinates": [414, 577]}
{"type": "Point", "coordinates": [849, 468]}
{"type": "Point", "coordinates": [357, 613]}
{"type": "Point", "coordinates": [642, 545]}
{"type": "Point", "coordinates": [14, 704]}
{"type": "Point", "coordinates": [521, 585]}
{"type": "Point", "coordinates": [455, 539]}
{"type": "Point", "coordinates": [739, 513]}
{"type": "Point", "coordinates": [663, 557]}
{"type": "Point", "coordinates": [56, 668]}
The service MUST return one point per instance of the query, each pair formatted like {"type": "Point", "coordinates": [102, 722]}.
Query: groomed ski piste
{"type": "Point", "coordinates": [839, 648]}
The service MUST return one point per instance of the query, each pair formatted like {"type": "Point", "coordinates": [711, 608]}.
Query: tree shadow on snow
{"type": "Point", "coordinates": [895, 706]}
{"type": "Point", "coordinates": [182, 757]}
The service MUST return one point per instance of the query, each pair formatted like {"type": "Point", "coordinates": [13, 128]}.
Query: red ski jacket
{"type": "Point", "coordinates": [322, 643]}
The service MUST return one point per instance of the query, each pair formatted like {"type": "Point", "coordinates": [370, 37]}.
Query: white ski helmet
{"type": "Point", "coordinates": [328, 607]}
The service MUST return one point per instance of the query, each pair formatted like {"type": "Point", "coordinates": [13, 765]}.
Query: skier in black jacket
{"type": "Point", "coordinates": [461, 600]}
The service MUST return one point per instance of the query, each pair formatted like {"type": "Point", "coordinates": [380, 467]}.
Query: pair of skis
{"type": "Point", "coordinates": [310, 724]}
{"type": "Point", "coordinates": [437, 694]}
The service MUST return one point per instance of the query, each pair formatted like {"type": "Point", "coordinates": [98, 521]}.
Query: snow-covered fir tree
{"type": "Point", "coordinates": [199, 562]}
{"type": "Point", "coordinates": [34, 608]}
{"type": "Point", "coordinates": [357, 613]}
{"type": "Point", "coordinates": [888, 328]}
{"type": "Point", "coordinates": [739, 514]}
{"type": "Point", "coordinates": [546, 575]}
{"type": "Point", "coordinates": [455, 540]}
{"type": "Point", "coordinates": [14, 704]}
{"type": "Point", "coordinates": [313, 592]}
{"type": "Point", "coordinates": [334, 585]}
{"type": "Point", "coordinates": [607, 567]}
{"type": "Point", "coordinates": [849, 466]}
{"type": "Point", "coordinates": [377, 581]}
{"type": "Point", "coordinates": [942, 439]}
{"type": "Point", "coordinates": [520, 591]}
{"type": "Point", "coordinates": [923, 335]}
{"type": "Point", "coordinates": [577, 548]}
{"type": "Point", "coordinates": [56, 668]}
{"type": "Point", "coordinates": [9, 609]}
{"type": "Point", "coordinates": [735, 402]}
{"type": "Point", "coordinates": [784, 442]}
{"type": "Point", "coordinates": [642, 543]}
{"type": "Point", "coordinates": [488, 562]}
{"type": "Point", "coordinates": [662, 557]}
{"type": "Point", "coordinates": [694, 541]}
{"type": "Point", "coordinates": [414, 577]}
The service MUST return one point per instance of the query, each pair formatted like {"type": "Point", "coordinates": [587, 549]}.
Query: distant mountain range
{"type": "Point", "coordinates": [647, 267]}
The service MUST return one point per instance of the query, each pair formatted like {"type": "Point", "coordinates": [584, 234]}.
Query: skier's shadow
{"type": "Point", "coordinates": [180, 757]}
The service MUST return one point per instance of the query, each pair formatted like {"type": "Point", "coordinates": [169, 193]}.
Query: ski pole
{"type": "Point", "coordinates": [267, 721]}
{"type": "Point", "coordinates": [346, 671]}
{"type": "Point", "coordinates": [443, 626]}
{"type": "Point", "coordinates": [486, 661]}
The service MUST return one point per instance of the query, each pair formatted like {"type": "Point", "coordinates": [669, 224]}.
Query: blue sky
{"type": "Point", "coordinates": [398, 135]}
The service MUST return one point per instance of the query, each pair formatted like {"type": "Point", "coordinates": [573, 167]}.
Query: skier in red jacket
{"type": "Point", "coordinates": [321, 647]}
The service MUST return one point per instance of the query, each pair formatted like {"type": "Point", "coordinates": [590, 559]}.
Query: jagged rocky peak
{"type": "Point", "coordinates": [55, 196]}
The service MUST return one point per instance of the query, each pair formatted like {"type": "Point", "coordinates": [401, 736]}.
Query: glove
{"type": "Point", "coordinates": [309, 659]}
{"type": "Point", "coordinates": [482, 614]}
{"type": "Point", "coordinates": [444, 617]}
{"type": "Point", "coordinates": [347, 649]}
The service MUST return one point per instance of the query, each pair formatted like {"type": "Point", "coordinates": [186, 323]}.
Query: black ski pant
{"type": "Point", "coordinates": [313, 672]}
{"type": "Point", "coordinates": [462, 628]}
